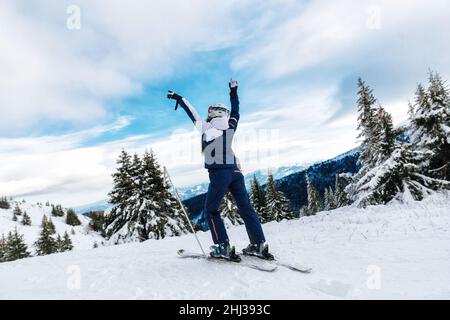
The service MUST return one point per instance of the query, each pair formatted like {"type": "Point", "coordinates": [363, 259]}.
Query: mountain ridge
{"type": "Point", "coordinates": [322, 174]}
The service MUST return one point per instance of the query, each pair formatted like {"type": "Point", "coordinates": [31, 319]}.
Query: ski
{"type": "Point", "coordinates": [293, 267]}
{"type": "Point", "coordinates": [244, 262]}
{"type": "Point", "coordinates": [290, 266]}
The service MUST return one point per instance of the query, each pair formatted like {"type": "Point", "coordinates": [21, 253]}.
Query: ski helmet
{"type": "Point", "coordinates": [218, 110]}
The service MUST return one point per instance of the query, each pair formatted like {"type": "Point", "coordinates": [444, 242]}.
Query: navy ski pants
{"type": "Point", "coordinates": [222, 181]}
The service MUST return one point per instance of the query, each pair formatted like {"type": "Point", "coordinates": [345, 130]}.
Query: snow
{"type": "Point", "coordinates": [83, 239]}
{"type": "Point", "coordinates": [397, 251]}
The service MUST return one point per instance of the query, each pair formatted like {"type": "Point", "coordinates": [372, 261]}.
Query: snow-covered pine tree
{"type": "Point", "coordinates": [395, 175]}
{"type": "Point", "coordinates": [277, 205]}
{"type": "Point", "coordinates": [59, 243]}
{"type": "Point", "coordinates": [67, 242]}
{"type": "Point", "coordinates": [136, 173]}
{"type": "Point", "coordinates": [340, 195]}
{"type": "Point", "coordinates": [129, 215]}
{"type": "Point", "coordinates": [60, 210]}
{"type": "Point", "coordinates": [152, 220]}
{"type": "Point", "coordinates": [64, 244]}
{"type": "Point", "coordinates": [46, 243]}
{"type": "Point", "coordinates": [258, 198]}
{"type": "Point", "coordinates": [121, 196]}
{"type": "Point", "coordinates": [26, 220]}
{"type": "Point", "coordinates": [177, 221]}
{"type": "Point", "coordinates": [394, 178]}
{"type": "Point", "coordinates": [2, 249]}
{"type": "Point", "coordinates": [314, 204]}
{"type": "Point", "coordinates": [143, 208]}
{"type": "Point", "coordinates": [367, 187]}
{"type": "Point", "coordinates": [72, 218]}
{"type": "Point", "coordinates": [57, 211]}
{"type": "Point", "coordinates": [17, 211]}
{"type": "Point", "coordinates": [384, 137]}
{"type": "Point", "coordinates": [172, 221]}
{"type": "Point", "coordinates": [326, 197]}
{"type": "Point", "coordinates": [4, 203]}
{"type": "Point", "coordinates": [329, 202]}
{"type": "Point", "coordinates": [430, 132]}
{"type": "Point", "coordinates": [53, 212]}
{"type": "Point", "coordinates": [368, 132]}
{"type": "Point", "coordinates": [229, 211]}
{"type": "Point", "coordinates": [44, 221]}
{"type": "Point", "coordinates": [378, 143]}
{"type": "Point", "coordinates": [16, 247]}
{"type": "Point", "coordinates": [366, 125]}
{"type": "Point", "coordinates": [410, 170]}
{"type": "Point", "coordinates": [51, 225]}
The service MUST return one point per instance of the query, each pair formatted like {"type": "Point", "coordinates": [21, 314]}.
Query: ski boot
{"type": "Point", "coordinates": [260, 250]}
{"type": "Point", "coordinates": [224, 251]}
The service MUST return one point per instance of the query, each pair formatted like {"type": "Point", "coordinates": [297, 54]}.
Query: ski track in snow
{"type": "Point", "coordinates": [408, 244]}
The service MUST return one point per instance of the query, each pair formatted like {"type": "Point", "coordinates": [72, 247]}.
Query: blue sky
{"type": "Point", "coordinates": [71, 99]}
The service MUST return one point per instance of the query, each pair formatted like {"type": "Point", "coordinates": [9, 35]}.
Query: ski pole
{"type": "Point", "coordinates": [166, 173]}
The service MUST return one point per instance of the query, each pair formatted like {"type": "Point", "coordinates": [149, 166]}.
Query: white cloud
{"type": "Point", "coordinates": [338, 32]}
{"type": "Point", "coordinates": [55, 164]}
{"type": "Point", "coordinates": [45, 80]}
{"type": "Point", "coordinates": [51, 73]}
{"type": "Point", "coordinates": [322, 30]}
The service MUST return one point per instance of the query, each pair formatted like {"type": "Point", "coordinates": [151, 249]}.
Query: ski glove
{"type": "Point", "coordinates": [233, 84]}
{"type": "Point", "coordinates": [172, 95]}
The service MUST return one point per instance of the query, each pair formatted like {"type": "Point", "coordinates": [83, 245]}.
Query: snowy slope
{"type": "Point", "coordinates": [402, 251]}
{"type": "Point", "coordinates": [84, 238]}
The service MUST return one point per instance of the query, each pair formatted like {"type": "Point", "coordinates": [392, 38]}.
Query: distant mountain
{"type": "Point", "coordinates": [95, 206]}
{"type": "Point", "coordinates": [192, 191]}
{"type": "Point", "coordinates": [278, 173]}
{"type": "Point", "coordinates": [322, 174]}
{"type": "Point", "coordinates": [261, 175]}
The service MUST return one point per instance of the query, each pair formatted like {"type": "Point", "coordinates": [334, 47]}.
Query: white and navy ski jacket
{"type": "Point", "coordinates": [217, 135]}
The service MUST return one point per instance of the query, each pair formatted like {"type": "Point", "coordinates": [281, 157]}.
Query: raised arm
{"type": "Point", "coordinates": [190, 110]}
{"type": "Point", "coordinates": [234, 99]}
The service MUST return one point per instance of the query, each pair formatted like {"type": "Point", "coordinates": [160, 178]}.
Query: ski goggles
{"type": "Point", "coordinates": [213, 109]}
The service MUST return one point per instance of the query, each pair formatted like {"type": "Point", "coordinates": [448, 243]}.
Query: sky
{"type": "Point", "coordinates": [82, 80]}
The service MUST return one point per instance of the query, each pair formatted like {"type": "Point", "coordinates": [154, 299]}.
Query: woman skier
{"type": "Point", "coordinates": [225, 175]}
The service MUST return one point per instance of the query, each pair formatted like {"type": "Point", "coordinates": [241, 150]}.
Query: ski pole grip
{"type": "Point", "coordinates": [174, 96]}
